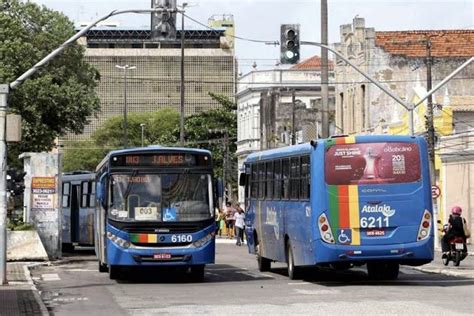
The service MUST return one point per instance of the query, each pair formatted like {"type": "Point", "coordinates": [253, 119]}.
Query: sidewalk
{"type": "Point", "coordinates": [465, 269]}
{"type": "Point", "coordinates": [20, 296]}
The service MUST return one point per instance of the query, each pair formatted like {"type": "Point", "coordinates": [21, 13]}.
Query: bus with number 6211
{"type": "Point", "coordinates": [341, 202]}
{"type": "Point", "coordinates": [155, 207]}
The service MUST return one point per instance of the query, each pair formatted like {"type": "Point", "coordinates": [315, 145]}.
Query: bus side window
{"type": "Point", "coordinates": [84, 193]}
{"type": "Point", "coordinates": [66, 194]}
{"type": "Point", "coordinates": [92, 194]}
{"type": "Point", "coordinates": [269, 167]}
{"type": "Point", "coordinates": [305, 178]}
{"type": "Point", "coordinates": [254, 182]}
{"type": "Point", "coordinates": [285, 166]}
{"type": "Point", "coordinates": [277, 179]}
{"type": "Point", "coordinates": [295, 177]}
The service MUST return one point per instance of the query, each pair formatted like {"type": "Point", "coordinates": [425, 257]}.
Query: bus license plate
{"type": "Point", "coordinates": [459, 246]}
{"type": "Point", "coordinates": [162, 256]}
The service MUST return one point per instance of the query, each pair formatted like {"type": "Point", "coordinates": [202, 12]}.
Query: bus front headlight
{"type": "Point", "coordinates": [118, 241]}
{"type": "Point", "coordinates": [201, 242]}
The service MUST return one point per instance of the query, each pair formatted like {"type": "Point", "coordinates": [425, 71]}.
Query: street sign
{"type": "Point", "coordinates": [435, 191]}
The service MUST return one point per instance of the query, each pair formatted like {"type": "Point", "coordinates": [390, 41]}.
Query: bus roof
{"type": "Point", "coordinates": [306, 148]}
{"type": "Point", "coordinates": [150, 149]}
{"type": "Point", "coordinates": [78, 176]}
{"type": "Point", "coordinates": [280, 152]}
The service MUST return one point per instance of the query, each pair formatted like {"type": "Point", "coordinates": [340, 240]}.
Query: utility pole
{"type": "Point", "coordinates": [293, 127]}
{"type": "Point", "coordinates": [226, 161]}
{"type": "Point", "coordinates": [142, 125]}
{"type": "Point", "coordinates": [324, 70]}
{"type": "Point", "coordinates": [429, 116]}
{"type": "Point", "coordinates": [125, 110]}
{"type": "Point", "coordinates": [181, 108]}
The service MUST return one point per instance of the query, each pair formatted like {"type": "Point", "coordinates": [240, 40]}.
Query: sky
{"type": "Point", "coordinates": [261, 19]}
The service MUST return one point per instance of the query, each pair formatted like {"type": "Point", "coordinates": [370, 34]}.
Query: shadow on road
{"type": "Point", "coordinates": [213, 274]}
{"type": "Point", "coordinates": [358, 276]}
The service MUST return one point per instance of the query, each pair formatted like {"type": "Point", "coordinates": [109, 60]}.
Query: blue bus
{"type": "Point", "coordinates": [155, 207]}
{"type": "Point", "coordinates": [341, 202]}
{"type": "Point", "coordinates": [77, 209]}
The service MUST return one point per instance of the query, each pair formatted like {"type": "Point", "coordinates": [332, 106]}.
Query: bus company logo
{"type": "Point", "coordinates": [397, 149]}
{"type": "Point", "coordinates": [385, 209]}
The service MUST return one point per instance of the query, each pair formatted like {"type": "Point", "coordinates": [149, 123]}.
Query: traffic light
{"type": "Point", "coordinates": [290, 43]}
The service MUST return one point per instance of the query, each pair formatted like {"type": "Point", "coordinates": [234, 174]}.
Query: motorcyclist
{"type": "Point", "coordinates": [455, 229]}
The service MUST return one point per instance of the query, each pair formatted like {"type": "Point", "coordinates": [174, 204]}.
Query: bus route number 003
{"type": "Point", "coordinates": [181, 238]}
{"type": "Point", "coordinates": [373, 222]}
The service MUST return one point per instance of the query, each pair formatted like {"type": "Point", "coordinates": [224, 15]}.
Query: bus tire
{"type": "Point", "coordinates": [294, 272]}
{"type": "Point", "coordinates": [67, 248]}
{"type": "Point", "coordinates": [197, 272]}
{"type": "Point", "coordinates": [114, 272]}
{"type": "Point", "coordinates": [264, 264]}
{"type": "Point", "coordinates": [103, 267]}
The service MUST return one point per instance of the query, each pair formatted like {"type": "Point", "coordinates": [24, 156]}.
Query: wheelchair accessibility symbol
{"type": "Point", "coordinates": [169, 215]}
{"type": "Point", "coordinates": [344, 236]}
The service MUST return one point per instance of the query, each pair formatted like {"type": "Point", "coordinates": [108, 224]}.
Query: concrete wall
{"type": "Point", "coordinates": [47, 221]}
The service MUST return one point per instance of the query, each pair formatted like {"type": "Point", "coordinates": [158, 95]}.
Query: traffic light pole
{"type": "Point", "coordinates": [4, 91]}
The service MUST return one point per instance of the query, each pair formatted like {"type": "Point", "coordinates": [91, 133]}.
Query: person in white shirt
{"type": "Point", "coordinates": [239, 217]}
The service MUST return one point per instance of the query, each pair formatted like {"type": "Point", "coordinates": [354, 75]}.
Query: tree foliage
{"type": "Point", "coordinates": [160, 128]}
{"type": "Point", "coordinates": [207, 130]}
{"type": "Point", "coordinates": [59, 97]}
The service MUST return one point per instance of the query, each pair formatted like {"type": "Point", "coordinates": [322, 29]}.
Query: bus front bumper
{"type": "Point", "coordinates": [171, 256]}
{"type": "Point", "coordinates": [416, 253]}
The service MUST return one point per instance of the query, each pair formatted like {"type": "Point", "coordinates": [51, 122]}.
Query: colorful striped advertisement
{"type": "Point", "coordinates": [144, 238]}
{"type": "Point", "coordinates": [344, 211]}
{"type": "Point", "coordinates": [344, 204]}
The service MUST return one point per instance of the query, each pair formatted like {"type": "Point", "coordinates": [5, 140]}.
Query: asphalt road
{"type": "Point", "coordinates": [234, 286]}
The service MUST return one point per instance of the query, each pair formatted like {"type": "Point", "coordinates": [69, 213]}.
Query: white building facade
{"type": "Point", "coordinates": [266, 115]}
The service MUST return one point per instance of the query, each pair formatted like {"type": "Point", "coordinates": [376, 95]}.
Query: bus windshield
{"type": "Point", "coordinates": [161, 197]}
{"type": "Point", "coordinates": [372, 163]}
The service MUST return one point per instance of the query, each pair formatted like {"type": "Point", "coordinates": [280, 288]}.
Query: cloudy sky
{"type": "Point", "coordinates": [261, 19]}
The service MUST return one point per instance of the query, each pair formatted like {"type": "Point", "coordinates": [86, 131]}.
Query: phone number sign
{"type": "Point", "coordinates": [43, 190]}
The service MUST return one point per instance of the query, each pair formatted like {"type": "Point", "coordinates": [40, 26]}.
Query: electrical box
{"type": "Point", "coordinates": [13, 128]}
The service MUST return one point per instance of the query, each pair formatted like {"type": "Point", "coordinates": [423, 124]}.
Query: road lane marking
{"type": "Point", "coordinates": [299, 283]}
{"type": "Point", "coordinates": [81, 270]}
{"type": "Point", "coordinates": [50, 277]}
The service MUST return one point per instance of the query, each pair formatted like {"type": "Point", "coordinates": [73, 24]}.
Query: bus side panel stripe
{"type": "Point", "coordinates": [343, 192]}
{"type": "Point", "coordinates": [333, 207]}
{"type": "Point", "coordinates": [354, 213]}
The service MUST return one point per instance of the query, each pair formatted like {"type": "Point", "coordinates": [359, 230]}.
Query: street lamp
{"type": "Point", "coordinates": [125, 124]}
{"type": "Point", "coordinates": [181, 118]}
{"type": "Point", "coordinates": [142, 125]}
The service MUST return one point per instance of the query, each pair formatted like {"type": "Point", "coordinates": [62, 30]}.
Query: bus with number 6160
{"type": "Point", "coordinates": [341, 202]}
{"type": "Point", "coordinates": [155, 207]}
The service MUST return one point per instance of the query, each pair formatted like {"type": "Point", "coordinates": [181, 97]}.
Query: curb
{"type": "Point", "coordinates": [445, 271]}
{"type": "Point", "coordinates": [39, 301]}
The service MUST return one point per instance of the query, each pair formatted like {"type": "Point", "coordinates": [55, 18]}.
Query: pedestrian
{"type": "Point", "coordinates": [239, 217]}
{"type": "Point", "coordinates": [219, 216]}
{"type": "Point", "coordinates": [229, 220]}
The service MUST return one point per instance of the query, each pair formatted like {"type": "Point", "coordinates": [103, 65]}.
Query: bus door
{"type": "Point", "coordinates": [74, 212]}
{"type": "Point", "coordinates": [376, 193]}
{"type": "Point", "coordinates": [85, 217]}
{"type": "Point", "coordinates": [66, 213]}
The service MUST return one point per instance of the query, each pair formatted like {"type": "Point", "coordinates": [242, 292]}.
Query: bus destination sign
{"type": "Point", "coordinates": [160, 160]}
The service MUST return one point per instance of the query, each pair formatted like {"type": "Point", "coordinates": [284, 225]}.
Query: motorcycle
{"type": "Point", "coordinates": [457, 249]}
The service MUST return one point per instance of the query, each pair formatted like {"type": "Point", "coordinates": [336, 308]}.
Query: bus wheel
{"type": "Point", "coordinates": [293, 271]}
{"type": "Point", "coordinates": [102, 267]}
{"type": "Point", "coordinates": [264, 264]}
{"type": "Point", "coordinates": [197, 272]}
{"type": "Point", "coordinates": [114, 272]}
